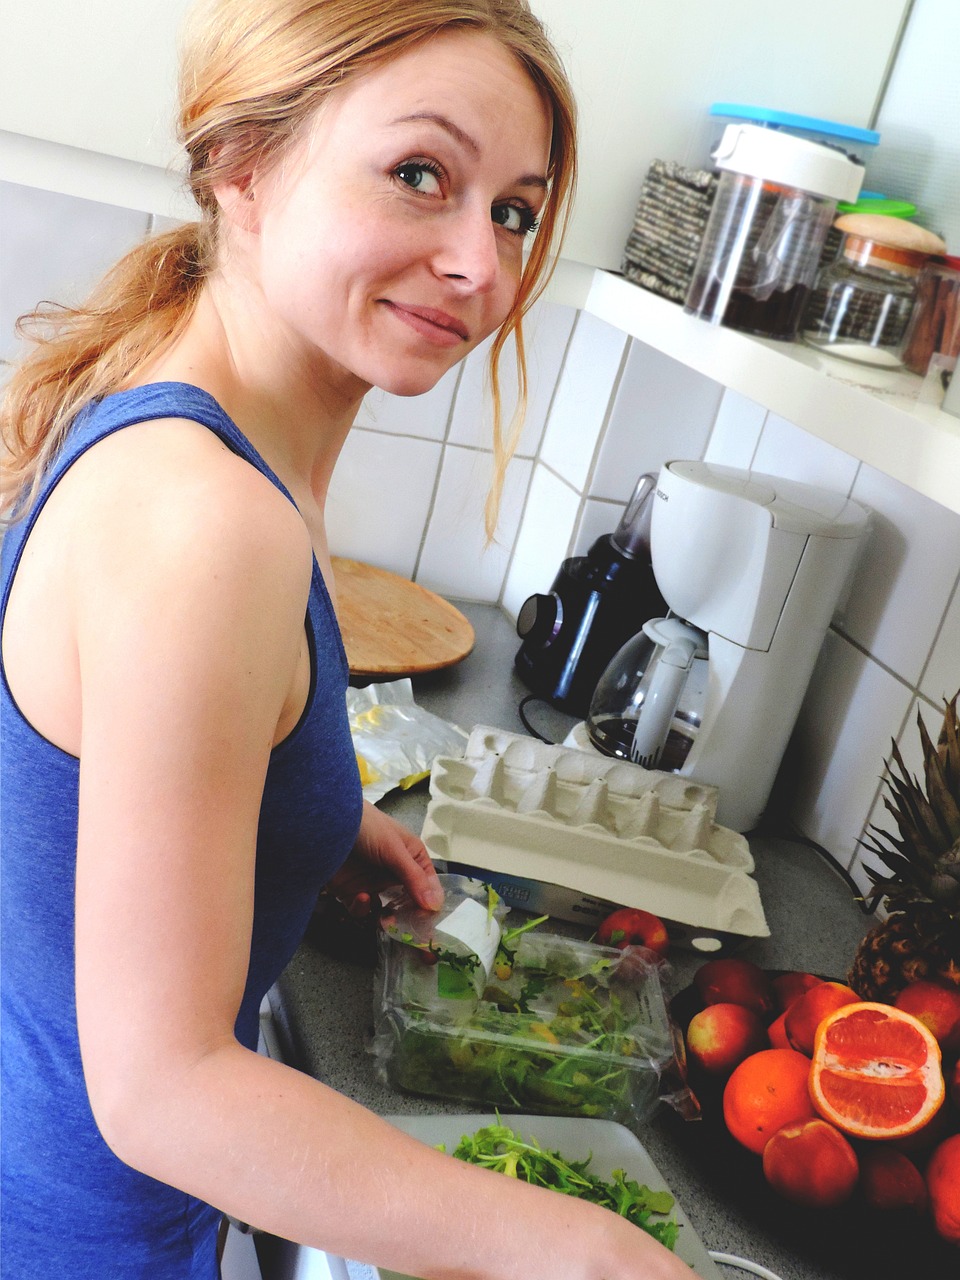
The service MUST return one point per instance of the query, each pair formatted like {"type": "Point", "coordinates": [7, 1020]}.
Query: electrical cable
{"type": "Point", "coordinates": [521, 712]}
{"type": "Point", "coordinates": [743, 1264]}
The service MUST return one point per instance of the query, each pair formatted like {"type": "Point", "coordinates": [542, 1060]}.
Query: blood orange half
{"type": "Point", "coordinates": [875, 1071]}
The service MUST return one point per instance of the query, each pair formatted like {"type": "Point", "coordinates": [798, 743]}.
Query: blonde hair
{"type": "Point", "coordinates": [253, 73]}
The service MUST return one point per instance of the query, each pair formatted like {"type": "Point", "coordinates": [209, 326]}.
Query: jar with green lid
{"type": "Point", "coordinates": [862, 303]}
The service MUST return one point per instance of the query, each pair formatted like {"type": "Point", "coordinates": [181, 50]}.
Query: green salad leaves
{"type": "Point", "coordinates": [497, 1147]}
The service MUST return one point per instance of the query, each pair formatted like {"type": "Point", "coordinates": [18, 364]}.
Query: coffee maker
{"type": "Point", "coordinates": [751, 567]}
{"type": "Point", "coordinates": [595, 603]}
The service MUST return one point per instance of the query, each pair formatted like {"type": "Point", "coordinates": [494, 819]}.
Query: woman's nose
{"type": "Point", "coordinates": [471, 252]}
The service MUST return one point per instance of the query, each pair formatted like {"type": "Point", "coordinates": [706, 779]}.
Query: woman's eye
{"type": "Point", "coordinates": [514, 217]}
{"type": "Point", "coordinates": [419, 176]}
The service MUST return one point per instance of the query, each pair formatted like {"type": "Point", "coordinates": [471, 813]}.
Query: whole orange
{"type": "Point", "coordinates": [943, 1184]}
{"type": "Point", "coordinates": [807, 1012]}
{"type": "Point", "coordinates": [765, 1092]}
{"type": "Point", "coordinates": [811, 1163]}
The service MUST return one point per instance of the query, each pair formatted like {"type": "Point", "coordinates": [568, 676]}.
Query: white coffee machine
{"type": "Point", "coordinates": [751, 567]}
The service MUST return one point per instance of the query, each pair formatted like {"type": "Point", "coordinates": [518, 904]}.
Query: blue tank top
{"type": "Point", "coordinates": [68, 1207]}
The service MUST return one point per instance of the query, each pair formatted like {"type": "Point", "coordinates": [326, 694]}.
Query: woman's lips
{"type": "Point", "coordinates": [436, 326]}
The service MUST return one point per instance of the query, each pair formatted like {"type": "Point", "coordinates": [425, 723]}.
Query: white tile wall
{"type": "Point", "coordinates": [661, 410]}
{"type": "Point", "coordinates": [456, 560]}
{"type": "Point", "coordinates": [425, 416]}
{"type": "Point", "coordinates": [547, 331]}
{"type": "Point", "coordinates": [905, 578]}
{"type": "Point", "coordinates": [941, 678]}
{"type": "Point", "coordinates": [370, 515]}
{"type": "Point", "coordinates": [852, 710]}
{"type": "Point", "coordinates": [785, 450]}
{"type": "Point", "coordinates": [544, 537]}
{"type": "Point", "coordinates": [736, 431]}
{"type": "Point", "coordinates": [582, 400]}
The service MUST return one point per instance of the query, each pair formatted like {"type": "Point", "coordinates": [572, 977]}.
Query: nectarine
{"type": "Point", "coordinates": [806, 1013]}
{"type": "Point", "coordinates": [720, 1036]}
{"type": "Point", "coordinates": [811, 1163]}
{"type": "Point", "coordinates": [731, 980]}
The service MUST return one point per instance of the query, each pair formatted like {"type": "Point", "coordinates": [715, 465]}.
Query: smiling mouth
{"type": "Point", "coordinates": [436, 326]}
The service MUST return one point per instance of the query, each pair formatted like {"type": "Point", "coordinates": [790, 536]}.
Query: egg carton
{"type": "Point", "coordinates": [572, 834]}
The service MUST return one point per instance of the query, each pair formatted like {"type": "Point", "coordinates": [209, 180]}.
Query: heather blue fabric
{"type": "Point", "coordinates": [70, 1209]}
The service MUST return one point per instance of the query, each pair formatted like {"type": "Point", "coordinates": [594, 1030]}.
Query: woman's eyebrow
{"type": "Point", "coordinates": [444, 122]}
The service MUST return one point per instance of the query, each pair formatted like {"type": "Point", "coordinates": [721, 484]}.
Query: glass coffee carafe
{"type": "Point", "coordinates": [648, 704]}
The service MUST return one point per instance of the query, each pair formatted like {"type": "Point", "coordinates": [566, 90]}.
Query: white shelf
{"type": "Point", "coordinates": [878, 416]}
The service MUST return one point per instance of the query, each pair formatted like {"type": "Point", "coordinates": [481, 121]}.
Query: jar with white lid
{"type": "Point", "coordinates": [773, 208]}
{"type": "Point", "coordinates": [861, 307]}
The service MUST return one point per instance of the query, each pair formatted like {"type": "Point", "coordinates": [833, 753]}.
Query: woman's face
{"type": "Point", "coordinates": [392, 239]}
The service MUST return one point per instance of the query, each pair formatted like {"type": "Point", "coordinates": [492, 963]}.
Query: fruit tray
{"type": "Point", "coordinates": [570, 834]}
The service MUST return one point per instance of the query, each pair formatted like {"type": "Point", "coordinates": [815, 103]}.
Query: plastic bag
{"type": "Point", "coordinates": [396, 741]}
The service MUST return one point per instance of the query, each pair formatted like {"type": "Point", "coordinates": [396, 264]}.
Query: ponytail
{"type": "Point", "coordinates": [82, 353]}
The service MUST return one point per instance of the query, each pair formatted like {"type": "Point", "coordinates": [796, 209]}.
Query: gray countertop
{"type": "Point", "coordinates": [324, 1005]}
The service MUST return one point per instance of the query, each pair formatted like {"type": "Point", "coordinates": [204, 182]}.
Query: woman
{"type": "Point", "coordinates": [179, 778]}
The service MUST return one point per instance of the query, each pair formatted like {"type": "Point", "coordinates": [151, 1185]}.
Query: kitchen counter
{"type": "Point", "coordinates": [323, 1007]}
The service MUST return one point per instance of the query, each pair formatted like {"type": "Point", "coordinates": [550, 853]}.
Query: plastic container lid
{"type": "Point", "coordinates": [794, 162]}
{"type": "Point", "coordinates": [870, 203]}
{"type": "Point", "coordinates": [787, 120]}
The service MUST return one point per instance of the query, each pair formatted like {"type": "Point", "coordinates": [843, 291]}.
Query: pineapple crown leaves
{"type": "Point", "coordinates": [925, 862]}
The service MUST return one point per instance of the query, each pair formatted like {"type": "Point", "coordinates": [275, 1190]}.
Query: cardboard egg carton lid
{"type": "Point", "coordinates": [602, 828]}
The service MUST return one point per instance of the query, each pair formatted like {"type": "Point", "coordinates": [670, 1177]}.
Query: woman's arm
{"type": "Point", "coordinates": [190, 607]}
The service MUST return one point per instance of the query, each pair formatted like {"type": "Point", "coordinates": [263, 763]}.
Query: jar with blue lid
{"type": "Point", "coordinates": [773, 208]}
{"type": "Point", "coordinates": [853, 141]}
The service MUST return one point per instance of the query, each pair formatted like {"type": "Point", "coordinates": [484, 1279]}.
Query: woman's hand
{"type": "Point", "coordinates": [385, 853]}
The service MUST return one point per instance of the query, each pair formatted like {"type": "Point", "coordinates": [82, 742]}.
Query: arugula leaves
{"type": "Point", "coordinates": [497, 1147]}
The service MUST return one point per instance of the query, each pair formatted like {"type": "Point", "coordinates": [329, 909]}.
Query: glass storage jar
{"type": "Point", "coordinates": [935, 324]}
{"type": "Point", "coordinates": [768, 223]}
{"type": "Point", "coordinates": [863, 300]}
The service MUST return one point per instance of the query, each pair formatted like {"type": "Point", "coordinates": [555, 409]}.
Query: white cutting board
{"type": "Point", "coordinates": [612, 1146]}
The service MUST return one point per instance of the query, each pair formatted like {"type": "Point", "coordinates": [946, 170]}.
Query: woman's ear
{"type": "Point", "coordinates": [238, 203]}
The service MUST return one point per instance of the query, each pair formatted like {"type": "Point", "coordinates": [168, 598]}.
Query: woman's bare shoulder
{"type": "Point", "coordinates": [170, 488]}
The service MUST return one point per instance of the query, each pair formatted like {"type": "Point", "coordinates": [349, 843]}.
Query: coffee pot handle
{"type": "Point", "coordinates": [668, 672]}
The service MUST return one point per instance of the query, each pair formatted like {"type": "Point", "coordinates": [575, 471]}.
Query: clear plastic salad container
{"type": "Point", "coordinates": [556, 1026]}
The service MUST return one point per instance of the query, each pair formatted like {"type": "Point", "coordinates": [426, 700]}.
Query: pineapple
{"type": "Point", "coordinates": [920, 939]}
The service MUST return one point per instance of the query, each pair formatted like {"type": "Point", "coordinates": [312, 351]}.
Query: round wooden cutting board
{"type": "Point", "coordinates": [392, 626]}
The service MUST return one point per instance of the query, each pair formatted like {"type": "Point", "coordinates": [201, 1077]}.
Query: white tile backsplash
{"type": "Point", "coordinates": [456, 560]}
{"type": "Point", "coordinates": [905, 575]}
{"type": "Point", "coordinates": [426, 415]}
{"type": "Point", "coordinates": [597, 517]}
{"type": "Point", "coordinates": [908, 742]}
{"type": "Point", "coordinates": [370, 514]}
{"type": "Point", "coordinates": [547, 332]}
{"type": "Point", "coordinates": [55, 248]}
{"type": "Point", "coordinates": [545, 534]}
{"type": "Point", "coordinates": [786, 450]}
{"type": "Point", "coordinates": [582, 400]}
{"type": "Point", "coordinates": [941, 678]}
{"type": "Point", "coordinates": [736, 431]}
{"type": "Point", "coordinates": [852, 709]}
{"type": "Point", "coordinates": [662, 410]}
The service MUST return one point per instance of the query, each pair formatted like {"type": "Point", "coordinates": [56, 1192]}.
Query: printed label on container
{"type": "Point", "coordinates": [471, 924]}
